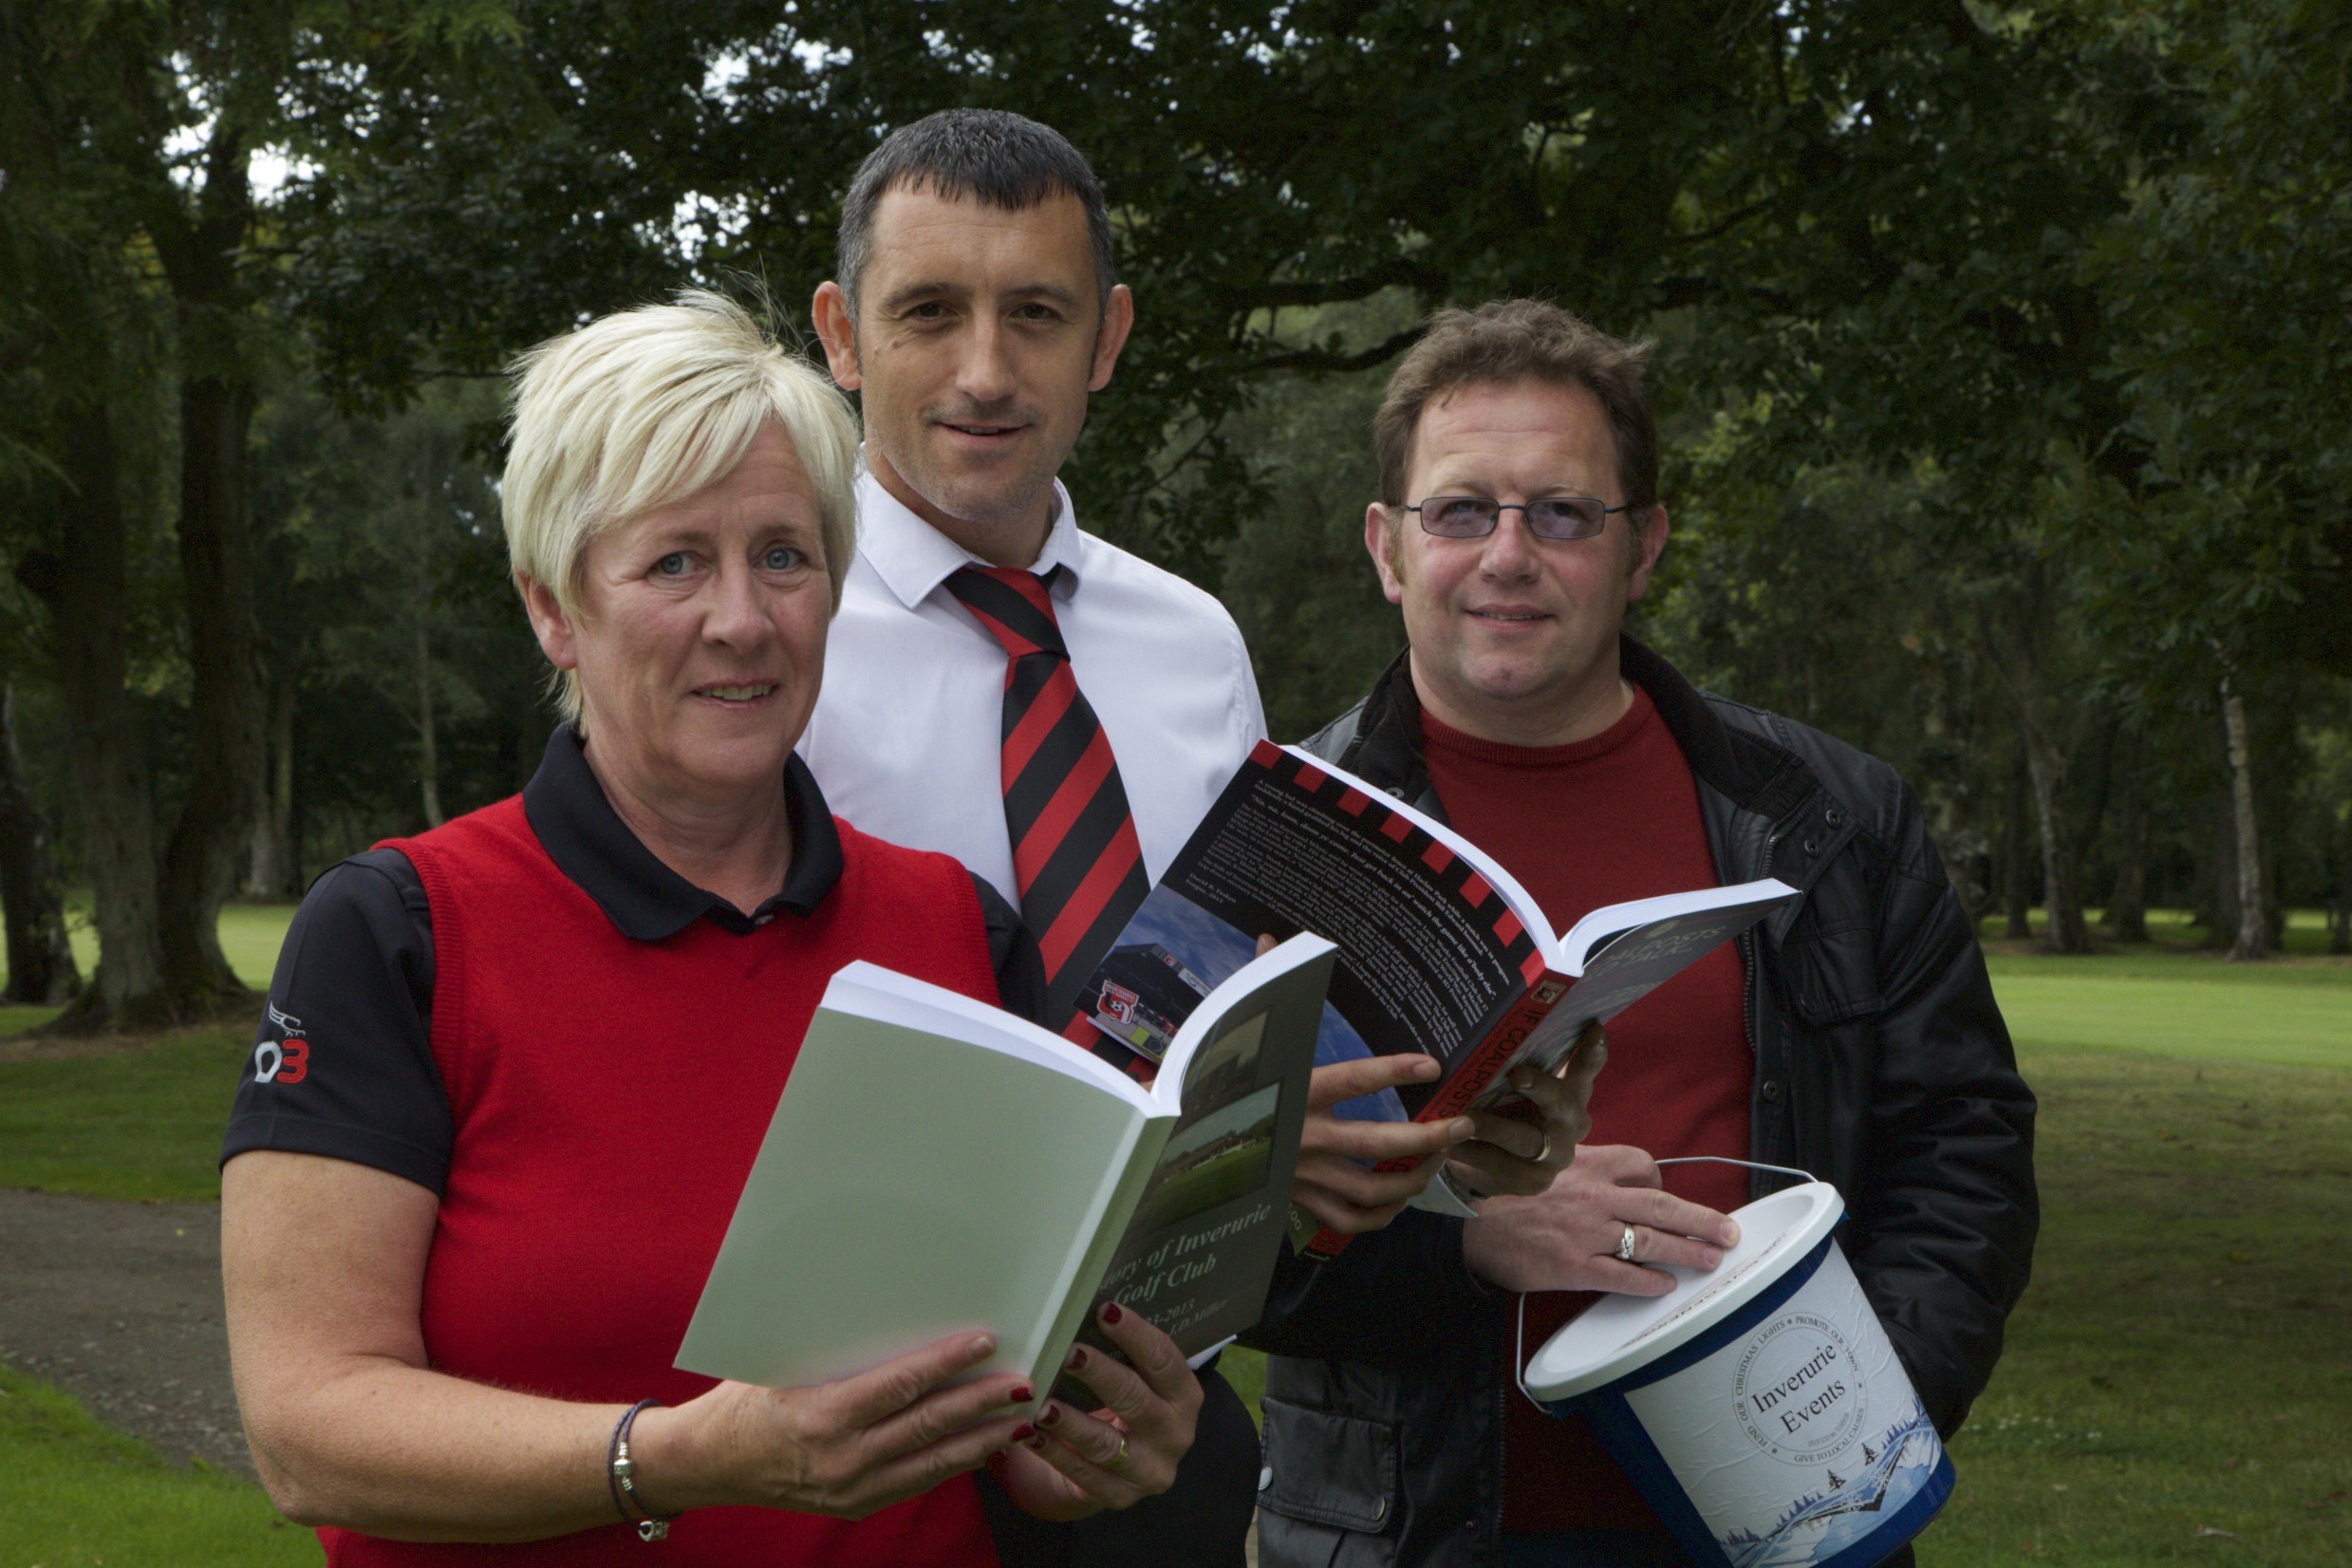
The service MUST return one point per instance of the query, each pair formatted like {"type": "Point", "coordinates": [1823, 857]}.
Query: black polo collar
{"type": "Point", "coordinates": [647, 900]}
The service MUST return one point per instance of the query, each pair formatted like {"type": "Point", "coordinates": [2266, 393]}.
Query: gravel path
{"type": "Point", "coordinates": [118, 1304]}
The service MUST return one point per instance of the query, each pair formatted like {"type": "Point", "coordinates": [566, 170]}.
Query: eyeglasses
{"type": "Point", "coordinates": [1554, 517]}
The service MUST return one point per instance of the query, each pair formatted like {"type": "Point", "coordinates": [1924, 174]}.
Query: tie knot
{"type": "Point", "coordinates": [1016, 607]}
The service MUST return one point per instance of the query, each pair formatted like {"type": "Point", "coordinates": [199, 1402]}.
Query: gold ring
{"type": "Point", "coordinates": [1117, 1460]}
{"type": "Point", "coordinates": [1545, 1153]}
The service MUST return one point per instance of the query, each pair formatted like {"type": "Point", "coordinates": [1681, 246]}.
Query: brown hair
{"type": "Point", "coordinates": [1521, 339]}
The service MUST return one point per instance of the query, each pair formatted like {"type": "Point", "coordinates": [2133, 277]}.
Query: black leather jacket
{"type": "Point", "coordinates": [1882, 1066]}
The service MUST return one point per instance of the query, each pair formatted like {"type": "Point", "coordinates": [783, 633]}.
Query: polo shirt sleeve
{"type": "Point", "coordinates": [342, 1065]}
{"type": "Point", "coordinates": [1013, 953]}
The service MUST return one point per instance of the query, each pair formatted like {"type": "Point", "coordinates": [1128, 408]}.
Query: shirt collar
{"type": "Point", "coordinates": [645, 899]}
{"type": "Point", "coordinates": [913, 558]}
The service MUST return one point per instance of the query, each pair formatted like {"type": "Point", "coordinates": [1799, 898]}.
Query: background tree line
{"type": "Point", "coordinates": [2001, 348]}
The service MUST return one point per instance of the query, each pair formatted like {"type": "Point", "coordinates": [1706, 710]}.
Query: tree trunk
{"type": "Point", "coordinates": [228, 759]}
{"type": "Point", "coordinates": [2017, 892]}
{"type": "Point", "coordinates": [41, 966]}
{"type": "Point", "coordinates": [271, 871]}
{"type": "Point", "coordinates": [2127, 903]}
{"type": "Point", "coordinates": [2061, 893]}
{"type": "Point", "coordinates": [2340, 917]}
{"type": "Point", "coordinates": [428, 748]}
{"type": "Point", "coordinates": [201, 242]}
{"type": "Point", "coordinates": [2253, 929]}
{"type": "Point", "coordinates": [85, 588]}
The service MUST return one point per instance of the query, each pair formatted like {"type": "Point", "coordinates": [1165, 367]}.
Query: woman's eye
{"type": "Point", "coordinates": [672, 565]}
{"type": "Point", "coordinates": [780, 558]}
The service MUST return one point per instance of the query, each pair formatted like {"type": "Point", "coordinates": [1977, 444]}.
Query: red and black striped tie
{"type": "Point", "coordinates": [1075, 852]}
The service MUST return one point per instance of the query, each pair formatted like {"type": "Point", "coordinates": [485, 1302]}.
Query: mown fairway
{"type": "Point", "coordinates": [2178, 1379]}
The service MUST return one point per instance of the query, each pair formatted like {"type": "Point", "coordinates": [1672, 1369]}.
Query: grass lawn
{"type": "Point", "coordinates": [79, 1494]}
{"type": "Point", "coordinates": [2176, 1382]}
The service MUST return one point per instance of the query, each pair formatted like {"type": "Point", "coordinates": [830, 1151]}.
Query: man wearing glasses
{"type": "Point", "coordinates": [1854, 1036]}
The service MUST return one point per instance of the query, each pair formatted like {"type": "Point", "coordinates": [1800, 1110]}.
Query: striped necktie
{"type": "Point", "coordinates": [1075, 852]}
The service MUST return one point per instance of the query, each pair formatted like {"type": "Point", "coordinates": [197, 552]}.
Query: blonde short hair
{"type": "Point", "coordinates": [645, 407]}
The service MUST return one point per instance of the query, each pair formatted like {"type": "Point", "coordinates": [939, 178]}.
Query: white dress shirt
{"type": "Point", "coordinates": [905, 737]}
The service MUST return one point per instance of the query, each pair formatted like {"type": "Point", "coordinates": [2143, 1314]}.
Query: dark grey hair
{"type": "Point", "coordinates": [999, 160]}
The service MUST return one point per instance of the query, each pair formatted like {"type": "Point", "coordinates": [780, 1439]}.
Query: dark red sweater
{"type": "Point", "coordinates": [610, 1097]}
{"type": "Point", "coordinates": [1604, 820]}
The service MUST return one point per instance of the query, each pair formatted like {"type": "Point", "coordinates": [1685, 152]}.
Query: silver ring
{"type": "Point", "coordinates": [1545, 1153]}
{"type": "Point", "coordinates": [1625, 1246]}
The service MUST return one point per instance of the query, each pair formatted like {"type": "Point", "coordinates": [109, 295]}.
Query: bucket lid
{"type": "Point", "coordinates": [1622, 1334]}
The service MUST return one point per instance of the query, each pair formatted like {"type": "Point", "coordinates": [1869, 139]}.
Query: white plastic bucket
{"type": "Point", "coordinates": [1759, 1407]}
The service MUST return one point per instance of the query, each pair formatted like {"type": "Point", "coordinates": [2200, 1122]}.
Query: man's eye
{"type": "Point", "coordinates": [781, 558]}
{"type": "Point", "coordinates": [672, 565]}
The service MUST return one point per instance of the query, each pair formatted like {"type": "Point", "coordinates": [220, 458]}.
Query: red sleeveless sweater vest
{"type": "Point", "coordinates": [609, 1098]}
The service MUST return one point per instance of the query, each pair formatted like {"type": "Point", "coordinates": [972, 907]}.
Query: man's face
{"type": "Point", "coordinates": [1515, 638]}
{"type": "Point", "coordinates": [979, 335]}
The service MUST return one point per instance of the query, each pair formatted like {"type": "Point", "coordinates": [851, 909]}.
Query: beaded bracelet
{"type": "Point", "coordinates": [621, 1474]}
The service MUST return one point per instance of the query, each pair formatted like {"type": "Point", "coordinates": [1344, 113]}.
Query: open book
{"type": "Point", "coordinates": [936, 1165]}
{"type": "Point", "coordinates": [1440, 950]}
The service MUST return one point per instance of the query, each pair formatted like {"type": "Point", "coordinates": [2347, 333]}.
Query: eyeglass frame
{"type": "Point", "coordinates": [1526, 516]}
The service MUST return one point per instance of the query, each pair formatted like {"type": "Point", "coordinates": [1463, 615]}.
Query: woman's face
{"type": "Point", "coordinates": [699, 637]}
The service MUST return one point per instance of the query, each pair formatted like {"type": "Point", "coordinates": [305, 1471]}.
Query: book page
{"type": "Point", "coordinates": [1622, 964]}
{"type": "Point", "coordinates": [1429, 953]}
{"type": "Point", "coordinates": [1199, 1253]}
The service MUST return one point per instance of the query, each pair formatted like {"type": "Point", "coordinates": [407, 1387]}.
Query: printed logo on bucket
{"type": "Point", "coordinates": [1800, 1391]}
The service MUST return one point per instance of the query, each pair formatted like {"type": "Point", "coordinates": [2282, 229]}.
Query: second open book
{"type": "Point", "coordinates": [936, 1165]}
{"type": "Point", "coordinates": [1440, 950]}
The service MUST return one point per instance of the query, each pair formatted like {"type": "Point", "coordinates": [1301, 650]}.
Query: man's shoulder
{"type": "Point", "coordinates": [1867, 787]}
{"type": "Point", "coordinates": [1105, 566]}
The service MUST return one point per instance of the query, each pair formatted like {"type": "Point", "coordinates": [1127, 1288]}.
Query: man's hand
{"type": "Point", "coordinates": [1074, 1463]}
{"type": "Point", "coordinates": [1566, 1238]}
{"type": "Point", "coordinates": [1330, 1184]}
{"type": "Point", "coordinates": [1521, 1145]}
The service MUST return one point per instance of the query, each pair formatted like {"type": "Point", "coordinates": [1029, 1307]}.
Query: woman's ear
{"type": "Point", "coordinates": [550, 623]}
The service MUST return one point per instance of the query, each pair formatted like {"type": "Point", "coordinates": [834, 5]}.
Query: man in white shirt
{"type": "Point", "coordinates": [975, 310]}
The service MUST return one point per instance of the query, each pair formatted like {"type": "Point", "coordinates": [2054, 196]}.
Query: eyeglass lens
{"type": "Point", "coordinates": [1475, 516]}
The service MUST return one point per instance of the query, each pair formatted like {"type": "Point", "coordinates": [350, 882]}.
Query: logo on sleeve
{"type": "Point", "coordinates": [287, 1058]}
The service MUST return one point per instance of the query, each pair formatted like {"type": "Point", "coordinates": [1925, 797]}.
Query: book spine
{"type": "Point", "coordinates": [1473, 1070]}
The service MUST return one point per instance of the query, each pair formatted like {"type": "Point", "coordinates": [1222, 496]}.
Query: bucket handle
{"type": "Point", "coordinates": [1518, 1338]}
{"type": "Point", "coordinates": [1723, 1160]}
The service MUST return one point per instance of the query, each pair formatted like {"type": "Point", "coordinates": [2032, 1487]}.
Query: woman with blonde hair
{"type": "Point", "coordinates": [514, 1070]}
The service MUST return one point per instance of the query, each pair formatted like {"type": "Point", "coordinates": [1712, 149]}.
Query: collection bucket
{"type": "Point", "coordinates": [1758, 1408]}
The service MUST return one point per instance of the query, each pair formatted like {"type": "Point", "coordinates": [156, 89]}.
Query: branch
{"type": "Point", "coordinates": [1274, 295]}
{"type": "Point", "coordinates": [1325, 361]}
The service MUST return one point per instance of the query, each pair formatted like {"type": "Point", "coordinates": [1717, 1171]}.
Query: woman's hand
{"type": "Point", "coordinates": [1522, 1145]}
{"type": "Point", "coordinates": [1569, 1237]}
{"type": "Point", "coordinates": [844, 1449]}
{"type": "Point", "coordinates": [1073, 1464]}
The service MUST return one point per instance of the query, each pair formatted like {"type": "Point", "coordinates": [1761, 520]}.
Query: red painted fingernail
{"type": "Point", "coordinates": [1077, 1357]}
{"type": "Point", "coordinates": [1052, 1413]}
{"type": "Point", "coordinates": [1021, 1395]}
{"type": "Point", "coordinates": [1036, 1440]}
{"type": "Point", "coordinates": [1023, 1432]}
{"type": "Point", "coordinates": [1112, 1312]}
